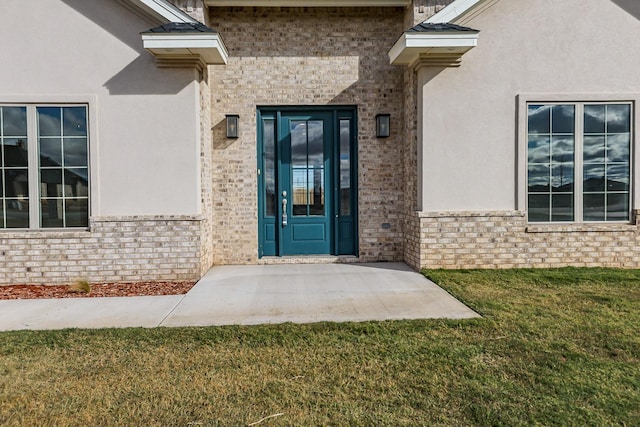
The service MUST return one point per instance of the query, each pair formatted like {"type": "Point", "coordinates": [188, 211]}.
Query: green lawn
{"type": "Point", "coordinates": [555, 347]}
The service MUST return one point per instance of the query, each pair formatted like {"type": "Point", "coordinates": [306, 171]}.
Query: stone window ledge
{"type": "Point", "coordinates": [582, 228]}
{"type": "Point", "coordinates": [470, 214]}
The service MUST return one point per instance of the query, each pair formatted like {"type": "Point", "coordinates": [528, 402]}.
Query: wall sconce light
{"type": "Point", "coordinates": [383, 125]}
{"type": "Point", "coordinates": [232, 125]}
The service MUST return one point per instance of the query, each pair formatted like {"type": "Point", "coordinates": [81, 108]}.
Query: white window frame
{"type": "Point", "coordinates": [31, 103]}
{"type": "Point", "coordinates": [579, 100]}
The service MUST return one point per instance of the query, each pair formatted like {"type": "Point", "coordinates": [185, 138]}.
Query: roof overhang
{"type": "Point", "coordinates": [309, 3]}
{"type": "Point", "coordinates": [162, 11]}
{"type": "Point", "coordinates": [178, 47]}
{"type": "Point", "coordinates": [412, 46]}
{"type": "Point", "coordinates": [459, 10]}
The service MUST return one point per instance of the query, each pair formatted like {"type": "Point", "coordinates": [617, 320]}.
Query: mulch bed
{"type": "Point", "coordinates": [97, 290]}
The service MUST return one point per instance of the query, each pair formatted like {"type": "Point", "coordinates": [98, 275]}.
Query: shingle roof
{"type": "Point", "coordinates": [440, 28]}
{"type": "Point", "coordinates": [182, 27]}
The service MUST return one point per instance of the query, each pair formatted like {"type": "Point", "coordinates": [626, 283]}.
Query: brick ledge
{"type": "Point", "coordinates": [582, 228]}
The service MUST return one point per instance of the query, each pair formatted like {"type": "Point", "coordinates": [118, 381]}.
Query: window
{"type": "Point", "coordinates": [44, 168]}
{"type": "Point", "coordinates": [578, 162]}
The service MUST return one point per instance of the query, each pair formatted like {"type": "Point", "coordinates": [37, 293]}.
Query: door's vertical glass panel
{"type": "Point", "coordinates": [299, 164]}
{"type": "Point", "coordinates": [316, 188]}
{"type": "Point", "coordinates": [345, 167]}
{"type": "Point", "coordinates": [269, 165]}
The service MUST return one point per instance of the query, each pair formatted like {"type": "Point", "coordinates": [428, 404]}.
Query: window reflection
{"type": "Point", "coordinates": [307, 167]}
{"type": "Point", "coordinates": [345, 167]}
{"type": "Point", "coordinates": [269, 160]}
{"type": "Point", "coordinates": [14, 173]}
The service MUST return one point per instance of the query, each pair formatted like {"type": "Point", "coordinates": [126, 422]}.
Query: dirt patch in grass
{"type": "Point", "coordinates": [97, 290]}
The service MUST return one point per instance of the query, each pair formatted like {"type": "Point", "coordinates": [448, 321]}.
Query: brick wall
{"type": "Point", "coordinates": [504, 239]}
{"type": "Point", "coordinates": [117, 249]}
{"type": "Point", "coordinates": [307, 56]}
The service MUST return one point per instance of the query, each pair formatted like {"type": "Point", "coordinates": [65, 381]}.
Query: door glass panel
{"type": "Point", "coordinates": [345, 167]}
{"type": "Point", "coordinates": [307, 167]}
{"type": "Point", "coordinates": [269, 146]}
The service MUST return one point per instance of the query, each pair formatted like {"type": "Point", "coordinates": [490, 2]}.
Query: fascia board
{"type": "Point", "coordinates": [163, 10]}
{"type": "Point", "coordinates": [409, 46]}
{"type": "Point", "coordinates": [209, 46]}
{"type": "Point", "coordinates": [310, 3]}
{"type": "Point", "coordinates": [453, 11]}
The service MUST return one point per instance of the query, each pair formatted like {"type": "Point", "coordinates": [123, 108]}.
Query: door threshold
{"type": "Point", "coordinates": [309, 259]}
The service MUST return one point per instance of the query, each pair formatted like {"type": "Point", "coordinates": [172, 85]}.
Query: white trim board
{"type": "Point", "coordinates": [163, 10]}
{"type": "Point", "coordinates": [454, 11]}
{"type": "Point", "coordinates": [310, 3]}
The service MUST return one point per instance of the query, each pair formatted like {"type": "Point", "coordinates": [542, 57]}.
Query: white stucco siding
{"type": "Point", "coordinates": [469, 129]}
{"type": "Point", "coordinates": [144, 141]}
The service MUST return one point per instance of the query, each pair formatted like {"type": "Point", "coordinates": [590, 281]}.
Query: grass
{"type": "Point", "coordinates": [555, 347]}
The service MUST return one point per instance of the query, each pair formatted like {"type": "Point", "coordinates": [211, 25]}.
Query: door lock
{"type": "Point", "coordinates": [284, 209]}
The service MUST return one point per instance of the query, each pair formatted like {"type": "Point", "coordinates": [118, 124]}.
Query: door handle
{"type": "Point", "coordinates": [284, 209]}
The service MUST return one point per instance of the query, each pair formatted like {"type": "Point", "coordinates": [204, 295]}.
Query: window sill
{"type": "Point", "coordinates": [582, 228]}
{"type": "Point", "coordinates": [44, 233]}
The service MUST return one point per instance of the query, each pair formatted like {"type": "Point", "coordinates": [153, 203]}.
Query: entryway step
{"type": "Point", "coordinates": [309, 259]}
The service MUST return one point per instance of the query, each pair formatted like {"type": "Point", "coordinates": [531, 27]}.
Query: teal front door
{"type": "Point", "coordinates": [306, 181]}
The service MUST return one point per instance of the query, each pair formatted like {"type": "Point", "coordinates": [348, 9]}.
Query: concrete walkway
{"type": "Point", "coordinates": [249, 295]}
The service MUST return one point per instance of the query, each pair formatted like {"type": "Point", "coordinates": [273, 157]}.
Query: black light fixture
{"type": "Point", "coordinates": [232, 125]}
{"type": "Point", "coordinates": [383, 125]}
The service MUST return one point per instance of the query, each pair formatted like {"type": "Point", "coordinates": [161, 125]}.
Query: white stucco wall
{"type": "Point", "coordinates": [144, 140]}
{"type": "Point", "coordinates": [469, 128]}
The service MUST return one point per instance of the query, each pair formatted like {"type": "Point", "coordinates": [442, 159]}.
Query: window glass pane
{"type": "Point", "coordinates": [51, 212]}
{"type": "Point", "coordinates": [539, 178]}
{"type": "Point", "coordinates": [76, 182]}
{"type": "Point", "coordinates": [562, 149]}
{"type": "Point", "coordinates": [300, 186]}
{"type": "Point", "coordinates": [617, 178]}
{"type": "Point", "coordinates": [76, 212]}
{"type": "Point", "coordinates": [75, 152]}
{"type": "Point", "coordinates": [50, 152]}
{"type": "Point", "coordinates": [49, 121]}
{"type": "Point", "coordinates": [539, 119]}
{"type": "Point", "coordinates": [593, 207]}
{"type": "Point", "coordinates": [562, 207]}
{"type": "Point", "coordinates": [316, 149]}
{"type": "Point", "coordinates": [594, 118]}
{"type": "Point", "coordinates": [15, 152]}
{"type": "Point", "coordinates": [594, 149]}
{"type": "Point", "coordinates": [562, 178]}
{"type": "Point", "coordinates": [563, 118]}
{"type": "Point", "coordinates": [316, 194]}
{"type": "Point", "coordinates": [345, 167]}
{"type": "Point", "coordinates": [17, 213]}
{"type": "Point", "coordinates": [75, 121]}
{"type": "Point", "coordinates": [14, 121]}
{"type": "Point", "coordinates": [16, 183]}
{"type": "Point", "coordinates": [539, 207]}
{"type": "Point", "coordinates": [1, 209]}
{"type": "Point", "coordinates": [539, 149]}
{"type": "Point", "coordinates": [51, 182]}
{"type": "Point", "coordinates": [593, 178]}
{"type": "Point", "coordinates": [269, 160]}
{"type": "Point", "coordinates": [618, 148]}
{"type": "Point", "coordinates": [617, 207]}
{"type": "Point", "coordinates": [618, 118]}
